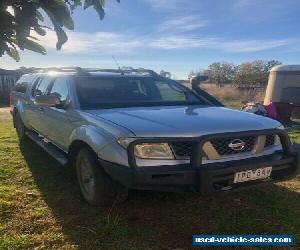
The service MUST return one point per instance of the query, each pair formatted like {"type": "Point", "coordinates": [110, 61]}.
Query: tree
{"type": "Point", "coordinates": [221, 72]}
{"type": "Point", "coordinates": [244, 75]}
{"type": "Point", "coordinates": [254, 73]}
{"type": "Point", "coordinates": [262, 68]}
{"type": "Point", "coordinates": [270, 64]}
{"type": "Point", "coordinates": [19, 18]}
{"type": "Point", "coordinates": [248, 73]}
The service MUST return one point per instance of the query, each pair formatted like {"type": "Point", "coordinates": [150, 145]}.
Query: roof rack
{"type": "Point", "coordinates": [140, 71]}
{"type": "Point", "coordinates": [60, 69]}
{"type": "Point", "coordinates": [124, 70]}
{"type": "Point", "coordinates": [87, 71]}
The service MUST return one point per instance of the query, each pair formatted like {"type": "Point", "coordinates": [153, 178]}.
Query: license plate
{"type": "Point", "coordinates": [253, 174]}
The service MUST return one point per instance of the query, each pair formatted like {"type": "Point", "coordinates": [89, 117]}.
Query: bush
{"type": "Point", "coordinates": [228, 92]}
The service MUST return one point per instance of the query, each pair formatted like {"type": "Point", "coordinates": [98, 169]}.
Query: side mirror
{"type": "Point", "coordinates": [48, 100]}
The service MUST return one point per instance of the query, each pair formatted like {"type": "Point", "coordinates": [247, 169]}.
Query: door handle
{"type": "Point", "coordinates": [41, 109]}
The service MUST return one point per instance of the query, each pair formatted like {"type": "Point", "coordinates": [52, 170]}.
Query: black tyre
{"type": "Point", "coordinates": [20, 127]}
{"type": "Point", "coordinates": [97, 188]}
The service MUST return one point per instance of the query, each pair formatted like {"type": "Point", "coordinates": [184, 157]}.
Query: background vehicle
{"type": "Point", "coordinates": [283, 90]}
{"type": "Point", "coordinates": [133, 129]}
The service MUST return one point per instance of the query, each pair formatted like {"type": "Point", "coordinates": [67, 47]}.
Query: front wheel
{"type": "Point", "coordinates": [97, 188]}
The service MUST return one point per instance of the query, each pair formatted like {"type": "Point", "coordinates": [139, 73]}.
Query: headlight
{"type": "Point", "coordinates": [281, 127]}
{"type": "Point", "coordinates": [148, 150]}
{"type": "Point", "coordinates": [153, 151]}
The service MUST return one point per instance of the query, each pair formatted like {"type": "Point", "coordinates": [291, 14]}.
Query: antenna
{"type": "Point", "coordinates": [118, 65]}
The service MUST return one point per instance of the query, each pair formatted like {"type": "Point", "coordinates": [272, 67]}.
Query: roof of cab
{"type": "Point", "coordinates": [97, 72]}
{"type": "Point", "coordinates": [283, 68]}
{"type": "Point", "coordinates": [114, 74]}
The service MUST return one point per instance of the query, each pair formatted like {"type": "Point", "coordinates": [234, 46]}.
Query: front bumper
{"type": "Point", "coordinates": [206, 178]}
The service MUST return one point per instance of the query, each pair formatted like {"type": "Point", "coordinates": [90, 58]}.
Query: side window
{"type": "Point", "coordinates": [21, 84]}
{"type": "Point", "coordinates": [34, 86]}
{"type": "Point", "coordinates": [60, 89]}
{"type": "Point", "coordinates": [20, 87]}
{"type": "Point", "coordinates": [42, 86]}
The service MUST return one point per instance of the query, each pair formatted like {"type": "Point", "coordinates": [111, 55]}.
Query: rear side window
{"type": "Point", "coordinates": [20, 87]}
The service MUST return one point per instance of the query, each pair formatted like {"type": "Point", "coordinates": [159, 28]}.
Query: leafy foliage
{"type": "Point", "coordinates": [221, 72]}
{"type": "Point", "coordinates": [253, 73]}
{"type": "Point", "coordinates": [244, 74]}
{"type": "Point", "coordinates": [19, 18]}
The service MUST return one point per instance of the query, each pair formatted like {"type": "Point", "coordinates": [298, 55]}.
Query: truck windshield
{"type": "Point", "coordinates": [113, 92]}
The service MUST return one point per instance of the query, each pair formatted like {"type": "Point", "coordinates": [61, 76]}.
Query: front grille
{"type": "Point", "coordinates": [182, 149]}
{"type": "Point", "coordinates": [270, 140]}
{"type": "Point", "coordinates": [222, 145]}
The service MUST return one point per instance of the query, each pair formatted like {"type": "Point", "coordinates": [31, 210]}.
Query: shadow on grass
{"type": "Point", "coordinates": [159, 220]}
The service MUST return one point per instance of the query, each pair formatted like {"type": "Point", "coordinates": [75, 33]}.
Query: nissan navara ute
{"type": "Point", "coordinates": [134, 129]}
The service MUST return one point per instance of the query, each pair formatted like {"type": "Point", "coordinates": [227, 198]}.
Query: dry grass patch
{"type": "Point", "coordinates": [233, 95]}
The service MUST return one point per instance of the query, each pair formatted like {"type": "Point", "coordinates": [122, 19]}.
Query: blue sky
{"type": "Point", "coordinates": [176, 35]}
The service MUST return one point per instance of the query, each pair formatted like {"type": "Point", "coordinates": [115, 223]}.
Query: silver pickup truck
{"type": "Point", "coordinates": [133, 129]}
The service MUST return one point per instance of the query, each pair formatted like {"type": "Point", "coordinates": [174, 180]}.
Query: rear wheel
{"type": "Point", "coordinates": [97, 188]}
{"type": "Point", "coordinates": [20, 127]}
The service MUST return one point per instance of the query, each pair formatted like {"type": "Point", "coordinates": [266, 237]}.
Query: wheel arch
{"type": "Point", "coordinates": [107, 190]}
{"type": "Point", "coordinates": [74, 148]}
{"type": "Point", "coordinates": [91, 136]}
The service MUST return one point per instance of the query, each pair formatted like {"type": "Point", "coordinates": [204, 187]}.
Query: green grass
{"type": "Point", "coordinates": [40, 208]}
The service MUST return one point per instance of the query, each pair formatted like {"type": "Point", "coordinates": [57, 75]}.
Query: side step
{"type": "Point", "coordinates": [56, 153]}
